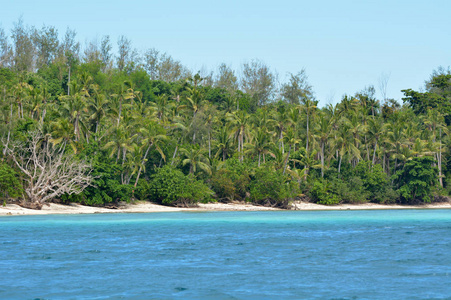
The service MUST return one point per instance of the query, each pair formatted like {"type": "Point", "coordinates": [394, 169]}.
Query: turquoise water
{"type": "Point", "coordinates": [396, 254]}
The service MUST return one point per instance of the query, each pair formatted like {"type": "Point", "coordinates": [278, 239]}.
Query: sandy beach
{"type": "Point", "coordinates": [147, 207]}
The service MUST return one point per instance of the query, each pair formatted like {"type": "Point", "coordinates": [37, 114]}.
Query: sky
{"type": "Point", "coordinates": [343, 45]}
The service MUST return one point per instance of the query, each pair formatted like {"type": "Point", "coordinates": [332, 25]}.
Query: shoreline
{"type": "Point", "coordinates": [147, 207]}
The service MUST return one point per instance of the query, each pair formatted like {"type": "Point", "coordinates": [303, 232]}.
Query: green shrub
{"type": "Point", "coordinates": [232, 181]}
{"type": "Point", "coordinates": [321, 193]}
{"type": "Point", "coordinates": [272, 187]}
{"type": "Point", "coordinates": [416, 180]}
{"type": "Point", "coordinates": [171, 187]}
{"type": "Point", "coordinates": [375, 181]}
{"type": "Point", "coordinates": [10, 186]}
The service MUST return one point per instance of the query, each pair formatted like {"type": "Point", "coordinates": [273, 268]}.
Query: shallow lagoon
{"type": "Point", "coordinates": [228, 255]}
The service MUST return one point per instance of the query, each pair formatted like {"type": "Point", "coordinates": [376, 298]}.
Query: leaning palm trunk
{"type": "Point", "coordinates": [140, 167]}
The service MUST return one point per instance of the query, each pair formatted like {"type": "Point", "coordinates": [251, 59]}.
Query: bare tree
{"type": "Point", "coordinates": [48, 172]}
{"type": "Point", "coordinates": [383, 83]}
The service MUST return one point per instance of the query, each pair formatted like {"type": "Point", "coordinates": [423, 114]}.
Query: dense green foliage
{"type": "Point", "coordinates": [171, 186]}
{"type": "Point", "coordinates": [10, 186]}
{"type": "Point", "coordinates": [153, 130]}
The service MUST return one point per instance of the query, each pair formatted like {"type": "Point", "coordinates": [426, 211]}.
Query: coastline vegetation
{"type": "Point", "coordinates": [143, 126]}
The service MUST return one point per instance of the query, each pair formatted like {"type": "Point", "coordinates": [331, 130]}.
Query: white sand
{"type": "Point", "coordinates": [312, 206]}
{"type": "Point", "coordinates": [146, 207]}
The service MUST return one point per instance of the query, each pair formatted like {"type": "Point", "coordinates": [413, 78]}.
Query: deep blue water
{"type": "Point", "coordinates": [390, 254]}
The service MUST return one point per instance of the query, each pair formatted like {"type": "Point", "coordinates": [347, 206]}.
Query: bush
{"type": "Point", "coordinates": [376, 182]}
{"type": "Point", "coordinates": [171, 187]}
{"type": "Point", "coordinates": [337, 191]}
{"type": "Point", "coordinates": [232, 181]}
{"type": "Point", "coordinates": [106, 187]}
{"type": "Point", "coordinates": [321, 193]}
{"type": "Point", "coordinates": [10, 186]}
{"type": "Point", "coordinates": [272, 187]}
{"type": "Point", "coordinates": [416, 180]}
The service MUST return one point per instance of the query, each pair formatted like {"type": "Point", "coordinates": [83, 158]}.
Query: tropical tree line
{"type": "Point", "coordinates": [150, 129]}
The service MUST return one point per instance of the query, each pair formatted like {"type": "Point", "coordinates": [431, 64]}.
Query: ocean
{"type": "Point", "coordinates": [374, 254]}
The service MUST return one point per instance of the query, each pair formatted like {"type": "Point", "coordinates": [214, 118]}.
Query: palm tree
{"type": "Point", "coordinates": [98, 107]}
{"type": "Point", "coordinates": [20, 93]}
{"type": "Point", "coordinates": [343, 142]}
{"type": "Point", "coordinates": [196, 159]}
{"type": "Point", "coordinates": [308, 161]}
{"type": "Point", "coordinates": [358, 130]}
{"type": "Point", "coordinates": [63, 133]}
{"type": "Point", "coordinates": [434, 121]}
{"type": "Point", "coordinates": [260, 144]}
{"type": "Point", "coordinates": [281, 120]}
{"type": "Point", "coordinates": [124, 93]}
{"type": "Point", "coordinates": [194, 103]}
{"type": "Point", "coordinates": [223, 143]}
{"type": "Point", "coordinates": [308, 106]}
{"type": "Point", "coordinates": [120, 141]}
{"type": "Point", "coordinates": [162, 107]}
{"type": "Point", "coordinates": [240, 125]}
{"type": "Point", "coordinates": [376, 129]}
{"type": "Point", "coordinates": [153, 134]}
{"type": "Point", "coordinates": [323, 130]}
{"type": "Point", "coordinates": [396, 139]}
{"type": "Point", "coordinates": [291, 139]}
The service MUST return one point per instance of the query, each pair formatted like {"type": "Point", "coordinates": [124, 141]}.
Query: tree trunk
{"type": "Point", "coordinates": [374, 153]}
{"type": "Point", "coordinates": [120, 112]}
{"type": "Point", "coordinates": [140, 167]}
{"type": "Point", "coordinates": [209, 144]}
{"type": "Point", "coordinates": [97, 129]}
{"type": "Point", "coordinates": [440, 161]}
{"type": "Point", "coordinates": [322, 159]}
{"type": "Point", "coordinates": [175, 153]}
{"type": "Point", "coordinates": [306, 146]}
{"type": "Point", "coordinates": [286, 160]}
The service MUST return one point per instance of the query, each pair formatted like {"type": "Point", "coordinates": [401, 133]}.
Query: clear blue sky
{"type": "Point", "coordinates": [343, 45]}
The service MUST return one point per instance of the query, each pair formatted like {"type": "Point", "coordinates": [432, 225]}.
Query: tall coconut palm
{"type": "Point", "coordinates": [98, 106]}
{"type": "Point", "coordinates": [376, 129]}
{"type": "Point", "coordinates": [194, 157]}
{"type": "Point", "coordinates": [292, 140]}
{"type": "Point", "coordinates": [63, 133]}
{"type": "Point", "coordinates": [260, 144]}
{"type": "Point", "coordinates": [240, 125]}
{"type": "Point", "coordinates": [343, 142]}
{"type": "Point", "coordinates": [121, 141]}
{"type": "Point", "coordinates": [124, 93]}
{"type": "Point", "coordinates": [153, 134]}
{"type": "Point", "coordinates": [323, 131]}
{"type": "Point", "coordinates": [223, 143]}
{"type": "Point", "coordinates": [281, 122]}
{"type": "Point", "coordinates": [308, 106]}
